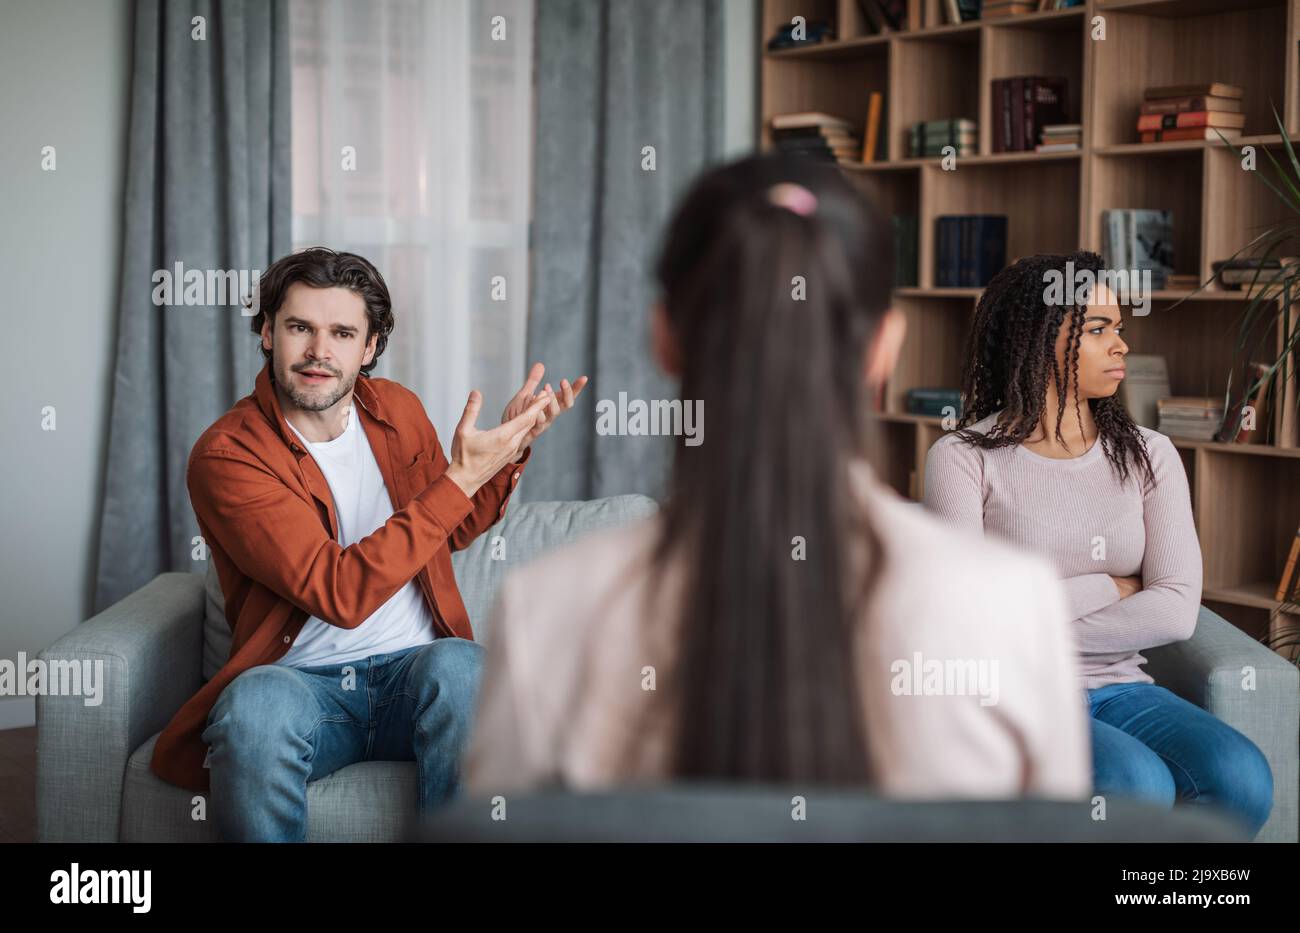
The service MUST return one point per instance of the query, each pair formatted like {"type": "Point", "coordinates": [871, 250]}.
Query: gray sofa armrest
{"type": "Point", "coordinates": [1209, 669]}
{"type": "Point", "coordinates": [150, 644]}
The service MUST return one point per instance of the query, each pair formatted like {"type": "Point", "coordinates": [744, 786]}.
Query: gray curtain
{"type": "Point", "coordinates": [613, 76]}
{"type": "Point", "coordinates": [208, 187]}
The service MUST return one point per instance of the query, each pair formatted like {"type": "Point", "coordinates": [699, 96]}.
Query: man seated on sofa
{"type": "Point", "coordinates": [331, 525]}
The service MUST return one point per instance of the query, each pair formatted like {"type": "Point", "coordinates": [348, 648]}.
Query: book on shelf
{"type": "Point", "coordinates": [1193, 417]}
{"type": "Point", "coordinates": [1192, 103]}
{"type": "Point", "coordinates": [1022, 106]}
{"type": "Point", "coordinates": [906, 234]}
{"type": "Point", "coordinates": [815, 33]}
{"type": "Point", "coordinates": [1205, 89]}
{"type": "Point", "coordinates": [929, 137]}
{"type": "Point", "coordinates": [872, 131]}
{"type": "Point", "coordinates": [993, 9]}
{"type": "Point", "coordinates": [933, 401]}
{"type": "Point", "coordinates": [1178, 112]}
{"type": "Point", "coordinates": [810, 118]}
{"type": "Point", "coordinates": [970, 249]}
{"type": "Point", "coordinates": [1252, 430]}
{"type": "Point", "coordinates": [1288, 588]}
{"type": "Point", "coordinates": [1234, 273]}
{"type": "Point", "coordinates": [1193, 118]}
{"type": "Point", "coordinates": [1180, 135]}
{"type": "Point", "coordinates": [1145, 383]}
{"type": "Point", "coordinates": [1139, 239]}
{"type": "Point", "coordinates": [1060, 137]}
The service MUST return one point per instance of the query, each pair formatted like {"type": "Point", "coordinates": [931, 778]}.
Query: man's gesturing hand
{"type": "Point", "coordinates": [557, 404]}
{"type": "Point", "coordinates": [477, 455]}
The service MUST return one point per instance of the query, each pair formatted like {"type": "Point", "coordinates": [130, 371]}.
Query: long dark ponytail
{"type": "Point", "coordinates": [1011, 355]}
{"type": "Point", "coordinates": [768, 680]}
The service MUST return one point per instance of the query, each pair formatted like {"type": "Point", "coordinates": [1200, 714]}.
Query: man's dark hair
{"type": "Point", "coordinates": [319, 267]}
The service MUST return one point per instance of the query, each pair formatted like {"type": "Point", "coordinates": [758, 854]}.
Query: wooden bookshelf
{"type": "Point", "coordinates": [1246, 498]}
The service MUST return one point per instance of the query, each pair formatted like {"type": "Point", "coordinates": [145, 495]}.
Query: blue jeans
{"type": "Point", "coordinates": [274, 728]}
{"type": "Point", "coordinates": [1150, 744]}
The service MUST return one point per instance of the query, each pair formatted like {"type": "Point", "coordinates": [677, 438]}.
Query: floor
{"type": "Point", "coordinates": [18, 785]}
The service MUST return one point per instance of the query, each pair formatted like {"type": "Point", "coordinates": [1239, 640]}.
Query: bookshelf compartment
{"type": "Point", "coordinates": [1249, 510]}
{"type": "Point", "coordinates": [839, 88]}
{"type": "Point", "coordinates": [1039, 198]}
{"type": "Point", "coordinates": [1194, 339]}
{"type": "Point", "coordinates": [933, 351]}
{"type": "Point", "coordinates": [1241, 204]}
{"type": "Point", "coordinates": [950, 63]}
{"type": "Point", "coordinates": [1014, 52]}
{"type": "Point", "coordinates": [1173, 182]}
{"type": "Point", "coordinates": [893, 192]}
{"type": "Point", "coordinates": [1151, 44]}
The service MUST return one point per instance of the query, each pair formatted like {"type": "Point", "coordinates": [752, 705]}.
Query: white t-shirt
{"type": "Point", "coordinates": [361, 504]}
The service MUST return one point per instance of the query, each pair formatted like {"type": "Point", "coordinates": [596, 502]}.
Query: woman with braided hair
{"type": "Point", "coordinates": [1045, 456]}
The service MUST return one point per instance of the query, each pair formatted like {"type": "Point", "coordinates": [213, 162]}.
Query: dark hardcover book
{"type": "Point", "coordinates": [990, 247]}
{"type": "Point", "coordinates": [1017, 114]}
{"type": "Point", "coordinates": [1045, 104]}
{"type": "Point", "coordinates": [944, 272]}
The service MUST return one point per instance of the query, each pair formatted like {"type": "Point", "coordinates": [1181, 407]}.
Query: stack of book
{"type": "Point", "coordinates": [992, 9]}
{"type": "Point", "coordinates": [970, 249]}
{"type": "Point", "coordinates": [1234, 273]}
{"type": "Point", "coordinates": [1060, 137]}
{"type": "Point", "coordinates": [817, 135]}
{"type": "Point", "coordinates": [1194, 417]}
{"type": "Point", "coordinates": [1022, 106]}
{"type": "Point", "coordinates": [1135, 240]}
{"type": "Point", "coordinates": [1191, 111]}
{"type": "Point", "coordinates": [929, 137]}
{"type": "Point", "coordinates": [906, 228]}
{"type": "Point", "coordinates": [1145, 383]}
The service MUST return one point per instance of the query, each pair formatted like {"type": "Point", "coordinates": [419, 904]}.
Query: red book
{"type": "Point", "coordinates": [1168, 121]}
{"type": "Point", "coordinates": [1191, 132]}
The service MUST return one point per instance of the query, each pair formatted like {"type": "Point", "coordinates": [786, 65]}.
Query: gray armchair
{"type": "Point", "coordinates": [162, 642]}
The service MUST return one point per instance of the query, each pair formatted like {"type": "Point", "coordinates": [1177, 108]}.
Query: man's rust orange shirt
{"type": "Point", "coordinates": [267, 515]}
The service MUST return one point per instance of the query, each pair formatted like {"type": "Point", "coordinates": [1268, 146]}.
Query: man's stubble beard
{"type": "Point", "coordinates": [309, 402]}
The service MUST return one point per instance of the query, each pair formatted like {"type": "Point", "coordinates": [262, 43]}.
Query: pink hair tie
{"type": "Point", "coordinates": [793, 197]}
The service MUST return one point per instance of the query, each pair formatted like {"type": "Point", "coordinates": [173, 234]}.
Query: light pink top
{"type": "Point", "coordinates": [572, 648]}
{"type": "Point", "coordinates": [1078, 515]}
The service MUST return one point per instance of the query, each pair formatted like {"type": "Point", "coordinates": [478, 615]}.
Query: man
{"type": "Point", "coordinates": [331, 512]}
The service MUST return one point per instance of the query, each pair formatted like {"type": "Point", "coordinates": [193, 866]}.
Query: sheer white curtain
{"type": "Point", "coordinates": [434, 98]}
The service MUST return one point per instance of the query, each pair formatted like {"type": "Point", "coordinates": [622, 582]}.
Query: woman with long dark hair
{"type": "Point", "coordinates": [1046, 457]}
{"type": "Point", "coordinates": [786, 617]}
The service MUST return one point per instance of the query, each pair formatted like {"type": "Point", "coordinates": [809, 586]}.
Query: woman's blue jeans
{"type": "Point", "coordinates": [274, 728]}
{"type": "Point", "coordinates": [1150, 744]}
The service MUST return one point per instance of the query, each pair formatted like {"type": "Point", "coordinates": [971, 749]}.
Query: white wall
{"type": "Point", "coordinates": [64, 82]}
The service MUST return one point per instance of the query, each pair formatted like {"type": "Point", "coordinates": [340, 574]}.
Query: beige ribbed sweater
{"type": "Point", "coordinates": [1078, 515]}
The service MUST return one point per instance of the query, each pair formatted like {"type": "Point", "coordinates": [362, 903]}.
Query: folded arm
{"type": "Point", "coordinates": [1166, 608]}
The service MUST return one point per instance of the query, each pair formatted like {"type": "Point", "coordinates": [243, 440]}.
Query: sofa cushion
{"type": "Point", "coordinates": [528, 530]}
{"type": "Point", "coordinates": [370, 801]}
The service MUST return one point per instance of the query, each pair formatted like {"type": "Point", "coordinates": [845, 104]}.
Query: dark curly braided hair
{"type": "Point", "coordinates": [1011, 354]}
